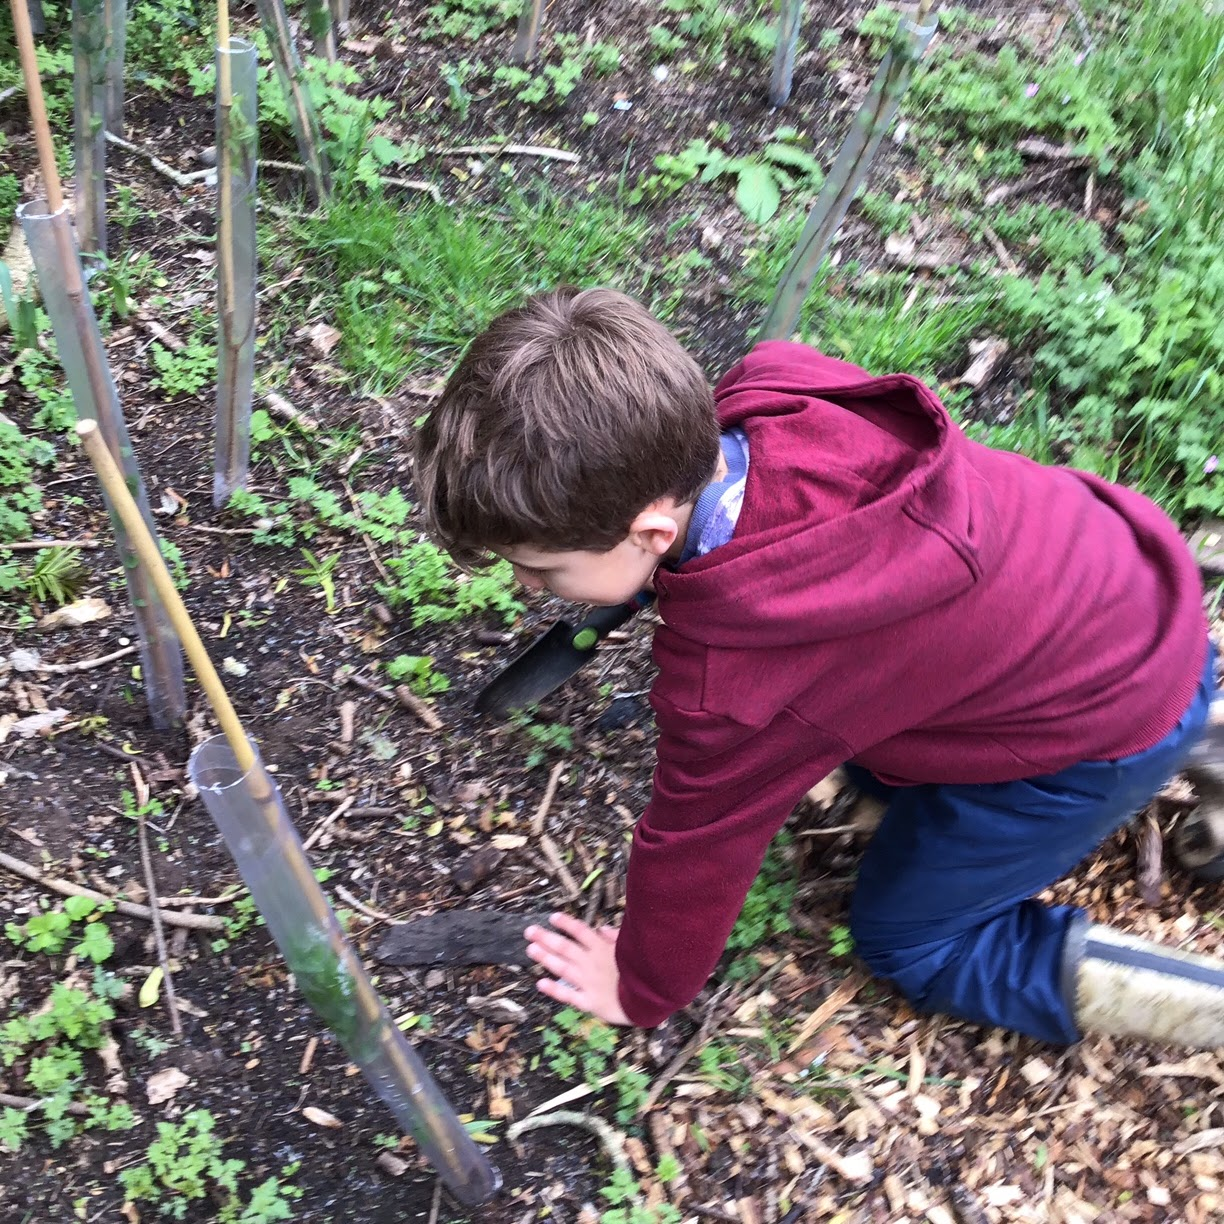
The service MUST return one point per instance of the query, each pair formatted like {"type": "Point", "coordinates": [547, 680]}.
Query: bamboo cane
{"type": "Point", "coordinates": [849, 170]}
{"type": "Point", "coordinates": [528, 31]}
{"type": "Point", "coordinates": [145, 548]}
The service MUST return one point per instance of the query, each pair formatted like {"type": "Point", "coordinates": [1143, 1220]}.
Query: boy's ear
{"type": "Point", "coordinates": [654, 531]}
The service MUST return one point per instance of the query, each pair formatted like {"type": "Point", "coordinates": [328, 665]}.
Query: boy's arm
{"type": "Point", "coordinates": [721, 792]}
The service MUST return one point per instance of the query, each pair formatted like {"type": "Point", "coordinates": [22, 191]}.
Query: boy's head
{"type": "Point", "coordinates": [570, 440]}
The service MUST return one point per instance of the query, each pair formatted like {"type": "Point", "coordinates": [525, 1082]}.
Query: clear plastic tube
{"type": "Point", "coordinates": [790, 18]}
{"type": "Point", "coordinates": [849, 170]}
{"type": "Point", "coordinates": [89, 89]}
{"type": "Point", "coordinates": [250, 815]}
{"type": "Point", "coordinates": [302, 116]}
{"type": "Point", "coordinates": [237, 148]}
{"type": "Point", "coordinates": [58, 268]}
{"type": "Point", "coordinates": [528, 31]}
{"type": "Point", "coordinates": [116, 34]}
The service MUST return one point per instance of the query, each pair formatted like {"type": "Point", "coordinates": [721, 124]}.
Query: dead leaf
{"type": "Point", "coordinates": [1210, 1138]}
{"type": "Point", "coordinates": [508, 841]}
{"type": "Point", "coordinates": [987, 356]}
{"type": "Point", "coordinates": [163, 1085]}
{"type": "Point", "coordinates": [391, 1164]}
{"type": "Point", "coordinates": [232, 667]}
{"type": "Point", "coordinates": [323, 338]}
{"type": "Point", "coordinates": [320, 1117]}
{"type": "Point", "coordinates": [73, 615]}
{"type": "Point", "coordinates": [129, 1212]}
{"type": "Point", "coordinates": [37, 724]}
{"type": "Point", "coordinates": [24, 660]}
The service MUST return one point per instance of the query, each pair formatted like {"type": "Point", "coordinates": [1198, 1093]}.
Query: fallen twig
{"type": "Point", "coordinates": [28, 1103]}
{"type": "Point", "coordinates": [365, 539]}
{"type": "Point", "coordinates": [175, 176]}
{"type": "Point", "coordinates": [562, 872]}
{"type": "Point", "coordinates": [677, 1064]}
{"type": "Point", "coordinates": [412, 184]}
{"type": "Point", "coordinates": [520, 150]}
{"type": "Point", "coordinates": [279, 406]}
{"type": "Point", "coordinates": [537, 821]}
{"type": "Point", "coordinates": [613, 1143]}
{"type": "Point", "coordinates": [34, 545]}
{"type": "Point", "coordinates": [159, 935]}
{"type": "Point", "coordinates": [192, 922]}
{"type": "Point", "coordinates": [63, 669]}
{"type": "Point", "coordinates": [348, 899]}
{"type": "Point", "coordinates": [327, 821]}
{"type": "Point", "coordinates": [1001, 251]}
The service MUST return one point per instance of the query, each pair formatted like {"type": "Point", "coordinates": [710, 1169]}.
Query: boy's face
{"type": "Point", "coordinates": [602, 578]}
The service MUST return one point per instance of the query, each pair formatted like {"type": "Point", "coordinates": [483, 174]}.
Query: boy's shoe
{"type": "Point", "coordinates": [1199, 839]}
{"type": "Point", "coordinates": [1130, 987]}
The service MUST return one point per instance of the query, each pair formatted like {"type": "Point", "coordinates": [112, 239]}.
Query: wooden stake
{"type": "Point", "coordinates": [150, 558]}
{"type": "Point", "coordinates": [38, 108]}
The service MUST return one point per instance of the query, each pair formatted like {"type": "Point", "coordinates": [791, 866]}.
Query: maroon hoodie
{"type": "Point", "coordinates": [894, 595]}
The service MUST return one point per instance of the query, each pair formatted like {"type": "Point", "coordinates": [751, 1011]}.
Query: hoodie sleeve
{"type": "Point", "coordinates": [721, 791]}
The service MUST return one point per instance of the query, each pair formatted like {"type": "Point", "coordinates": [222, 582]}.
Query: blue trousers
{"type": "Point", "coordinates": [943, 906]}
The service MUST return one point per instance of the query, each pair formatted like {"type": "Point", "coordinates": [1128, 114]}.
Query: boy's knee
{"type": "Point", "coordinates": [914, 971]}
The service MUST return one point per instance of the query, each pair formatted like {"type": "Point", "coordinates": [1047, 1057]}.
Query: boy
{"type": "Point", "coordinates": [1014, 656]}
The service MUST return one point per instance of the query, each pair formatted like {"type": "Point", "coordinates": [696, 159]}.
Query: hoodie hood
{"type": "Point", "coordinates": [891, 518]}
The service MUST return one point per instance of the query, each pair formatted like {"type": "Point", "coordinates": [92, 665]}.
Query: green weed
{"type": "Point", "coordinates": [418, 671]}
{"type": "Point", "coordinates": [186, 1162]}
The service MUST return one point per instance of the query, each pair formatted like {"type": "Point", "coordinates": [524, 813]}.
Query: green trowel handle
{"type": "Point", "coordinates": [602, 621]}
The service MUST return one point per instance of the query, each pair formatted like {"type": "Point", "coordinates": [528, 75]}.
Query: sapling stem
{"type": "Point", "coordinates": [322, 29]}
{"type": "Point", "coordinates": [302, 116]}
{"type": "Point", "coordinates": [790, 19]}
{"type": "Point", "coordinates": [237, 85]}
{"type": "Point", "coordinates": [115, 18]}
{"type": "Point", "coordinates": [849, 170]}
{"type": "Point", "coordinates": [528, 32]}
{"type": "Point", "coordinates": [89, 94]}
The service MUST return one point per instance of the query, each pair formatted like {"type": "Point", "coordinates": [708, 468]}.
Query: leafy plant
{"type": "Point", "coordinates": [418, 671]}
{"type": "Point", "coordinates": [543, 737]}
{"type": "Point", "coordinates": [841, 942]}
{"type": "Point", "coordinates": [320, 572]}
{"type": "Point", "coordinates": [20, 498]}
{"type": "Point", "coordinates": [56, 576]}
{"type": "Point", "coordinates": [184, 371]}
{"type": "Point", "coordinates": [624, 1197]}
{"type": "Point", "coordinates": [50, 930]}
{"type": "Point", "coordinates": [766, 911]}
{"type": "Point", "coordinates": [186, 1162]}
{"type": "Point", "coordinates": [49, 1042]}
{"type": "Point", "coordinates": [428, 582]}
{"type": "Point", "coordinates": [760, 180]}
{"type": "Point", "coordinates": [468, 19]}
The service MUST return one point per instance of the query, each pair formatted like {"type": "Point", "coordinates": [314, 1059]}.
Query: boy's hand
{"type": "Point", "coordinates": [584, 961]}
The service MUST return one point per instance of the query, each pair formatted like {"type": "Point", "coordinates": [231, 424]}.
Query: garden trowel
{"type": "Point", "coordinates": [548, 662]}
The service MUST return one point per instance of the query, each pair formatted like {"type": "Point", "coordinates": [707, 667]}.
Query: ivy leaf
{"type": "Point", "coordinates": [757, 192]}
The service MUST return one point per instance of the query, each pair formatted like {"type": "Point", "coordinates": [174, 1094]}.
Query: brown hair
{"type": "Point", "coordinates": [564, 420]}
